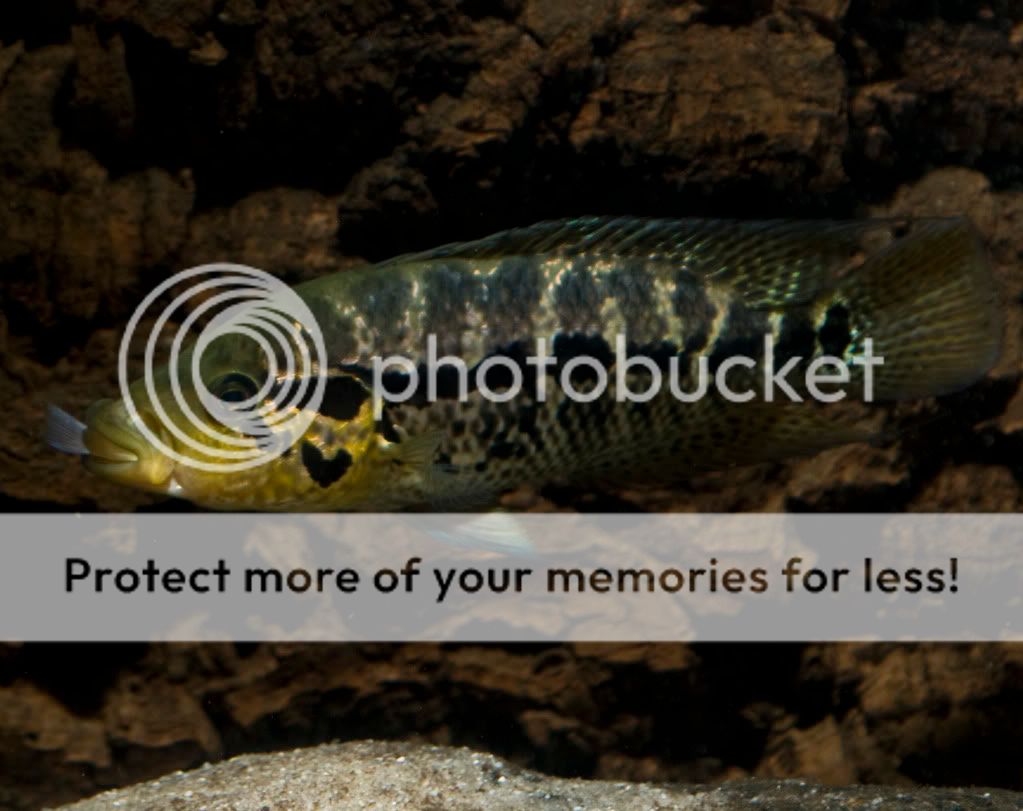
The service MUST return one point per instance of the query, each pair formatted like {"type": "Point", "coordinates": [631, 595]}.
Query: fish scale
{"type": "Point", "coordinates": [689, 290]}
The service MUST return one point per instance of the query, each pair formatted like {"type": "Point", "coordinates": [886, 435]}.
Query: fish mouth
{"type": "Point", "coordinates": [116, 457]}
{"type": "Point", "coordinates": [104, 439]}
{"type": "Point", "coordinates": [114, 449]}
{"type": "Point", "coordinates": [105, 450]}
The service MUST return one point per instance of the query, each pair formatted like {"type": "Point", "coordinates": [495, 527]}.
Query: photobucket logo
{"type": "Point", "coordinates": [243, 301]}
{"type": "Point", "coordinates": [821, 375]}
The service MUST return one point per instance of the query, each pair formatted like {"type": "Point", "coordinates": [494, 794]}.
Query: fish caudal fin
{"type": "Point", "coordinates": [929, 303]}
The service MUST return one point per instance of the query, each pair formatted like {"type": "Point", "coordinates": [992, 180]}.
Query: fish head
{"type": "Point", "coordinates": [231, 429]}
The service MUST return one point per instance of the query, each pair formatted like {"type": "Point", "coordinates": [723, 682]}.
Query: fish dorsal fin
{"type": "Point", "coordinates": [767, 262]}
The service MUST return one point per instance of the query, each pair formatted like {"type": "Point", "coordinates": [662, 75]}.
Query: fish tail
{"type": "Point", "coordinates": [929, 304]}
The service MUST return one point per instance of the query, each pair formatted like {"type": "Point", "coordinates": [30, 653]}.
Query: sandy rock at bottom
{"type": "Point", "coordinates": [381, 775]}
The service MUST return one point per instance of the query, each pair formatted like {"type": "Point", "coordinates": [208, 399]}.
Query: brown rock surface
{"type": "Point", "coordinates": [303, 136]}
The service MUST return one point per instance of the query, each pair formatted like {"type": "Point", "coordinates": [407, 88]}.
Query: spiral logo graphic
{"type": "Point", "coordinates": [243, 301]}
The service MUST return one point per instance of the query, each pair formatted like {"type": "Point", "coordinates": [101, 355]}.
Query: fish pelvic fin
{"type": "Point", "coordinates": [495, 531]}
{"type": "Point", "coordinates": [930, 306]}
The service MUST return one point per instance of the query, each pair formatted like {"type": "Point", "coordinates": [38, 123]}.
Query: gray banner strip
{"type": "Point", "coordinates": [500, 577]}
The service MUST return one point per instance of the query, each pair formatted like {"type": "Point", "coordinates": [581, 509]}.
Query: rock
{"type": "Point", "coordinates": [287, 232]}
{"type": "Point", "coordinates": [672, 95]}
{"type": "Point", "coordinates": [103, 102]}
{"type": "Point", "coordinates": [371, 775]}
{"type": "Point", "coordinates": [30, 149]}
{"type": "Point", "coordinates": [173, 21]}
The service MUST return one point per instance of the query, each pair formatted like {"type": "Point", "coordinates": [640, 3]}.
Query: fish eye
{"type": "Point", "coordinates": [234, 387]}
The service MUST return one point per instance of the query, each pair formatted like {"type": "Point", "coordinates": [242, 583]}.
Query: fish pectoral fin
{"type": "Point", "coordinates": [65, 433]}
{"type": "Point", "coordinates": [417, 451]}
{"type": "Point", "coordinates": [446, 489]}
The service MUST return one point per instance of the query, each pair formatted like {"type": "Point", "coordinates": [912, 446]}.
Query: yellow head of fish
{"type": "Point", "coordinates": [238, 422]}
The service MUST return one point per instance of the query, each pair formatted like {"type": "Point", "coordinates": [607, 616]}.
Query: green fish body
{"type": "Point", "coordinates": [686, 295]}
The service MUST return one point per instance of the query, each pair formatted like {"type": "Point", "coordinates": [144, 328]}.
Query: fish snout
{"type": "Point", "coordinates": [102, 439]}
{"type": "Point", "coordinates": [118, 450]}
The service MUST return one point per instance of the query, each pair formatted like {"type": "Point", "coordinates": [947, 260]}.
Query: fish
{"type": "Point", "coordinates": [686, 294]}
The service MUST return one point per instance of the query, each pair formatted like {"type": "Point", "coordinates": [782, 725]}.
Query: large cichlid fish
{"type": "Point", "coordinates": [684, 293]}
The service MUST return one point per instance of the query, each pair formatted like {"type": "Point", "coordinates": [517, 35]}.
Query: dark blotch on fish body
{"type": "Point", "coordinates": [796, 339]}
{"type": "Point", "coordinates": [325, 471]}
{"type": "Point", "coordinates": [343, 397]}
{"type": "Point", "coordinates": [567, 346]}
{"type": "Point", "coordinates": [742, 334]}
{"type": "Point", "coordinates": [385, 427]}
{"type": "Point", "coordinates": [449, 294]}
{"type": "Point", "coordinates": [513, 294]}
{"type": "Point", "coordinates": [694, 309]}
{"type": "Point", "coordinates": [503, 449]}
{"type": "Point", "coordinates": [835, 334]}
{"type": "Point", "coordinates": [578, 298]}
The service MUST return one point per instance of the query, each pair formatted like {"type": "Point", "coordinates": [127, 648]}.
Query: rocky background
{"type": "Point", "coordinates": [304, 136]}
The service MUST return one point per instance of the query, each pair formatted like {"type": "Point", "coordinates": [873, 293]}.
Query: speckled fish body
{"type": "Point", "coordinates": [683, 289]}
